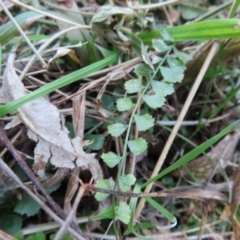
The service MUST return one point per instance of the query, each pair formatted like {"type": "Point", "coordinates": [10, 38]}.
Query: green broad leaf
{"type": "Point", "coordinates": [116, 119]}
{"type": "Point", "coordinates": [10, 223]}
{"type": "Point", "coordinates": [162, 88]}
{"type": "Point", "coordinates": [123, 212]}
{"type": "Point", "coordinates": [154, 101]}
{"type": "Point", "coordinates": [161, 209]}
{"type": "Point", "coordinates": [126, 181]}
{"type": "Point", "coordinates": [107, 102]}
{"type": "Point", "coordinates": [137, 146]}
{"type": "Point", "coordinates": [106, 213]}
{"type": "Point", "coordinates": [142, 69]}
{"type": "Point", "coordinates": [37, 236]}
{"type": "Point", "coordinates": [133, 86]}
{"type": "Point", "coordinates": [20, 172]}
{"type": "Point", "coordinates": [52, 86]}
{"type": "Point", "coordinates": [193, 154]}
{"type": "Point", "coordinates": [54, 187]}
{"type": "Point", "coordinates": [144, 122]}
{"type": "Point", "coordinates": [124, 104]}
{"type": "Point", "coordinates": [182, 56]}
{"type": "Point", "coordinates": [140, 48]}
{"type": "Point", "coordinates": [156, 59]}
{"type": "Point", "coordinates": [174, 62]}
{"type": "Point", "coordinates": [96, 140]}
{"type": "Point", "coordinates": [165, 35]}
{"type": "Point", "coordinates": [111, 159]}
{"type": "Point", "coordinates": [70, 128]}
{"type": "Point", "coordinates": [27, 206]}
{"type": "Point", "coordinates": [89, 123]}
{"type": "Point", "coordinates": [104, 183]}
{"type": "Point", "coordinates": [159, 45]}
{"type": "Point", "coordinates": [145, 56]}
{"type": "Point", "coordinates": [173, 75]}
{"type": "Point", "coordinates": [117, 129]}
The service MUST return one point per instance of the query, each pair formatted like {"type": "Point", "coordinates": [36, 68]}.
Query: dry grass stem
{"type": "Point", "coordinates": [43, 47]}
{"type": "Point", "coordinates": [22, 34]}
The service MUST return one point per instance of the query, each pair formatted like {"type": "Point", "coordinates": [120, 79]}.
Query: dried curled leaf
{"type": "Point", "coordinates": [65, 51]}
{"type": "Point", "coordinates": [43, 121]}
{"type": "Point", "coordinates": [108, 21]}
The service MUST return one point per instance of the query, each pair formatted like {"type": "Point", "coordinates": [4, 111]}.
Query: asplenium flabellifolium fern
{"type": "Point", "coordinates": [157, 82]}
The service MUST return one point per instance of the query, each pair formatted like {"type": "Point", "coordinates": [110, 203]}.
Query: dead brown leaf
{"type": "Point", "coordinates": [66, 51]}
{"type": "Point", "coordinates": [45, 127]}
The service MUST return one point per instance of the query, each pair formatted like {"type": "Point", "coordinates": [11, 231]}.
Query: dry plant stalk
{"type": "Point", "coordinates": [193, 193]}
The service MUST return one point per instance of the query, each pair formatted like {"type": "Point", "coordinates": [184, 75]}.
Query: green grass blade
{"type": "Point", "coordinates": [31, 38]}
{"type": "Point", "coordinates": [24, 20]}
{"type": "Point", "coordinates": [193, 154]}
{"type": "Point", "coordinates": [234, 8]}
{"type": "Point", "coordinates": [133, 205]}
{"type": "Point", "coordinates": [63, 81]}
{"type": "Point", "coordinates": [230, 96]}
{"type": "Point", "coordinates": [205, 30]}
{"type": "Point", "coordinates": [160, 209]}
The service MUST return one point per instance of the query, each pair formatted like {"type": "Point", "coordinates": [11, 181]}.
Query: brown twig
{"type": "Point", "coordinates": [195, 193]}
{"type": "Point", "coordinates": [55, 207]}
{"type": "Point", "coordinates": [70, 217]}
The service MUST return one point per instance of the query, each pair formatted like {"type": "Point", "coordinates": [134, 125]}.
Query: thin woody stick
{"type": "Point", "coordinates": [196, 193]}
